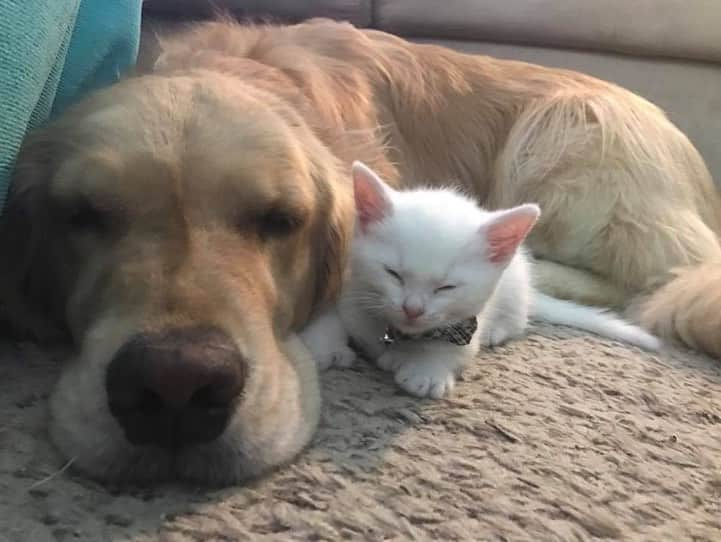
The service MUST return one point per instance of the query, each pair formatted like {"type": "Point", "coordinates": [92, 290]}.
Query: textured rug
{"type": "Point", "coordinates": [560, 436]}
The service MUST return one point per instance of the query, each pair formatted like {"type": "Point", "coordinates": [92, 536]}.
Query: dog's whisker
{"type": "Point", "coordinates": [53, 475]}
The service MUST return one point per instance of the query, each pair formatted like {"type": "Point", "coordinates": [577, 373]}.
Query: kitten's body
{"type": "Point", "coordinates": [424, 259]}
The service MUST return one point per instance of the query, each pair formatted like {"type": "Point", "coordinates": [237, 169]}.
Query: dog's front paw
{"type": "Point", "coordinates": [426, 379]}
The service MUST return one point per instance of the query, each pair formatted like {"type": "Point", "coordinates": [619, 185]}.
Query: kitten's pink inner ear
{"type": "Point", "coordinates": [506, 232]}
{"type": "Point", "coordinates": [371, 202]}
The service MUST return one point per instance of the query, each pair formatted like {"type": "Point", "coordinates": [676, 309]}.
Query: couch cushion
{"type": "Point", "coordinates": [672, 28]}
{"type": "Point", "coordinates": [357, 12]}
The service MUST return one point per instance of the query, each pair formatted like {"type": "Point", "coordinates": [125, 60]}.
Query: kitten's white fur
{"type": "Point", "coordinates": [433, 238]}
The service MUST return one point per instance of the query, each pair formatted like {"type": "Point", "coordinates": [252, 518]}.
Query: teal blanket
{"type": "Point", "coordinates": [52, 52]}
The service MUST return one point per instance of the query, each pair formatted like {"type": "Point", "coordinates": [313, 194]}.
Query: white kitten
{"type": "Point", "coordinates": [425, 259]}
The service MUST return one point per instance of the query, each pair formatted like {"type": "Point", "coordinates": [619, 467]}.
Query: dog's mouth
{"type": "Point", "coordinates": [151, 422]}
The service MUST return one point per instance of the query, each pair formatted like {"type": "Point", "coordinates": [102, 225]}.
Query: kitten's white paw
{"type": "Point", "coordinates": [390, 360]}
{"type": "Point", "coordinates": [426, 379]}
{"type": "Point", "coordinates": [324, 362]}
{"type": "Point", "coordinates": [342, 358]}
{"type": "Point", "coordinates": [499, 333]}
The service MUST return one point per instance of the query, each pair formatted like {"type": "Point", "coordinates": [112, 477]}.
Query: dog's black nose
{"type": "Point", "coordinates": [176, 387]}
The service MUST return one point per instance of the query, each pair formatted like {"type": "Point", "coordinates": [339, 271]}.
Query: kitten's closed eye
{"type": "Point", "coordinates": [446, 288]}
{"type": "Point", "coordinates": [395, 274]}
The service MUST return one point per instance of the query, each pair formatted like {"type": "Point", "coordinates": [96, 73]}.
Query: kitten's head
{"type": "Point", "coordinates": [426, 258]}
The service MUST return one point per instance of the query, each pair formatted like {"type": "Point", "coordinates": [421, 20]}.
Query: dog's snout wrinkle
{"type": "Point", "coordinates": [176, 387]}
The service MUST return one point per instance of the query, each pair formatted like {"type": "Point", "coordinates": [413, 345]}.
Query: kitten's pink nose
{"type": "Point", "coordinates": [412, 311]}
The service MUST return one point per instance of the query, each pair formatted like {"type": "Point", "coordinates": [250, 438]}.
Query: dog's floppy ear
{"type": "Point", "coordinates": [30, 306]}
{"type": "Point", "coordinates": [334, 235]}
{"type": "Point", "coordinates": [333, 253]}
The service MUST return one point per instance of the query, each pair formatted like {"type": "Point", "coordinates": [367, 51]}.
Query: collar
{"type": "Point", "coordinates": [459, 333]}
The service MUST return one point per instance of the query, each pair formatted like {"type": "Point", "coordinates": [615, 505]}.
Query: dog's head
{"type": "Point", "coordinates": [179, 229]}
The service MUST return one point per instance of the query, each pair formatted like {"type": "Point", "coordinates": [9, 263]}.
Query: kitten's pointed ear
{"type": "Point", "coordinates": [372, 195]}
{"type": "Point", "coordinates": [506, 231]}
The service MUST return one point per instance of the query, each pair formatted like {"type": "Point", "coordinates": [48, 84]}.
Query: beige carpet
{"type": "Point", "coordinates": [556, 437]}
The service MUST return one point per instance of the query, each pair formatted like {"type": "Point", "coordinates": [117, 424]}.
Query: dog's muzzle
{"type": "Point", "coordinates": [176, 387]}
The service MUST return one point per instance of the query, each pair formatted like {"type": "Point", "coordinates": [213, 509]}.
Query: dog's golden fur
{"type": "Point", "coordinates": [144, 207]}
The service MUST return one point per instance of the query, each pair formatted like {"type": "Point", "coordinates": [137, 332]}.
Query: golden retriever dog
{"type": "Point", "coordinates": [182, 225]}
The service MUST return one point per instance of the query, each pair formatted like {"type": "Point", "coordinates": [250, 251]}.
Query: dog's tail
{"type": "Point", "coordinates": [599, 321]}
{"type": "Point", "coordinates": [688, 308]}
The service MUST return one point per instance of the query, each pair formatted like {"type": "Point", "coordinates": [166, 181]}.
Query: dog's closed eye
{"type": "Point", "coordinates": [84, 217]}
{"type": "Point", "coordinates": [279, 221]}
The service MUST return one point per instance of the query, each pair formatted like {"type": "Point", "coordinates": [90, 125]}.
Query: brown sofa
{"type": "Point", "coordinates": [667, 50]}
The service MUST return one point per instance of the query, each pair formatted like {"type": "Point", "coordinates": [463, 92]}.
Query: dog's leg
{"type": "Point", "coordinates": [625, 196]}
{"type": "Point", "coordinates": [566, 282]}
